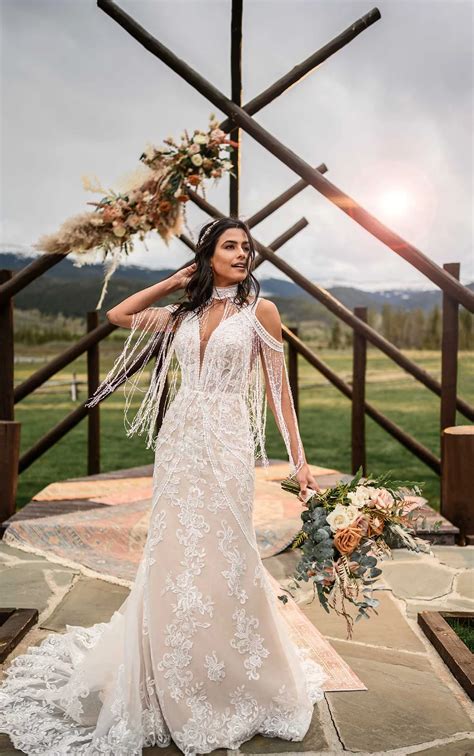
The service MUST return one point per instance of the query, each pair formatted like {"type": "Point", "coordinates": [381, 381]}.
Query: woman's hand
{"type": "Point", "coordinates": [181, 277]}
{"type": "Point", "coordinates": [307, 482]}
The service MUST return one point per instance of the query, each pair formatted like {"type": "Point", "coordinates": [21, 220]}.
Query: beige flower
{"type": "Point", "coordinates": [217, 134]}
{"type": "Point", "coordinates": [196, 159]}
{"type": "Point", "coordinates": [342, 516]}
{"type": "Point", "coordinates": [201, 139]}
{"type": "Point", "coordinates": [193, 149]}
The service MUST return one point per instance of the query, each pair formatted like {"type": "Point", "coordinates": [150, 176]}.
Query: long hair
{"type": "Point", "coordinates": [198, 290]}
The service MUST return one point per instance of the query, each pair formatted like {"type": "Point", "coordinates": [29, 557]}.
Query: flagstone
{"type": "Point", "coordinates": [429, 579]}
{"type": "Point", "coordinates": [447, 603]}
{"type": "Point", "coordinates": [405, 704]}
{"type": "Point", "coordinates": [462, 747]}
{"type": "Point", "coordinates": [455, 556]}
{"type": "Point", "coordinates": [388, 629]}
{"type": "Point", "coordinates": [464, 584]}
{"type": "Point", "coordinates": [89, 601]}
{"type": "Point", "coordinates": [24, 586]}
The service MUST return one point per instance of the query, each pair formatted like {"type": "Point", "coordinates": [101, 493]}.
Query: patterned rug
{"type": "Point", "coordinates": [109, 539]}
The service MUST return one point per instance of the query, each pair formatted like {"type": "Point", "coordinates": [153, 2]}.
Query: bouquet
{"type": "Point", "coordinates": [346, 529]}
{"type": "Point", "coordinates": [155, 199]}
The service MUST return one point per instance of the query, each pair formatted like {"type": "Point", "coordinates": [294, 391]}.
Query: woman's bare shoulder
{"type": "Point", "coordinates": [268, 314]}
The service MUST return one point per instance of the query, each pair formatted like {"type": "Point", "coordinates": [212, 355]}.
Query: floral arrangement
{"type": "Point", "coordinates": [346, 528]}
{"type": "Point", "coordinates": [155, 199]}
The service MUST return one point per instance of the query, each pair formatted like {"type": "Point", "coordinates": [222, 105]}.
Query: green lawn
{"type": "Point", "coordinates": [324, 419]}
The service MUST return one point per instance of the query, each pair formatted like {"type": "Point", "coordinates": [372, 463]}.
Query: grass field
{"type": "Point", "coordinates": [325, 417]}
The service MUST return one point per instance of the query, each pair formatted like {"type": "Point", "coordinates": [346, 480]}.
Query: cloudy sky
{"type": "Point", "coordinates": [391, 115]}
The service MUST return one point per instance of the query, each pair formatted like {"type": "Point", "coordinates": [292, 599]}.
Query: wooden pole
{"type": "Point", "coordinates": [9, 457]}
{"type": "Point", "coordinates": [9, 429]}
{"type": "Point", "coordinates": [236, 95]}
{"type": "Point", "coordinates": [93, 380]}
{"type": "Point", "coordinates": [449, 354]}
{"type": "Point", "coordinates": [7, 403]}
{"type": "Point", "coordinates": [293, 371]}
{"type": "Point", "coordinates": [457, 480]}
{"type": "Point", "coordinates": [359, 364]}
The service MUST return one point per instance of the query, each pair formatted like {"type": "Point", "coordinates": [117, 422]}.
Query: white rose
{"type": "Point", "coordinates": [342, 516]}
{"type": "Point", "coordinates": [196, 159]}
{"type": "Point", "coordinates": [201, 139]}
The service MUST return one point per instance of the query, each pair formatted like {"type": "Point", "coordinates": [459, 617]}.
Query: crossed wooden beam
{"type": "Point", "coordinates": [240, 116]}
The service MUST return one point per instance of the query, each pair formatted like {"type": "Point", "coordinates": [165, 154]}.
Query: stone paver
{"type": "Point", "coordinates": [457, 556]}
{"type": "Point", "coordinates": [464, 584]}
{"type": "Point", "coordinates": [89, 601]}
{"type": "Point", "coordinates": [405, 704]}
{"type": "Point", "coordinates": [32, 585]}
{"type": "Point", "coordinates": [464, 747]}
{"type": "Point", "coordinates": [449, 604]}
{"type": "Point", "coordinates": [425, 579]}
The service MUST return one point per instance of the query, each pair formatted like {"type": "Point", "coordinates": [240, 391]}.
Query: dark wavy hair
{"type": "Point", "coordinates": [198, 290]}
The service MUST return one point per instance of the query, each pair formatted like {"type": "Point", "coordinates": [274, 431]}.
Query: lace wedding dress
{"type": "Point", "coordinates": [199, 652]}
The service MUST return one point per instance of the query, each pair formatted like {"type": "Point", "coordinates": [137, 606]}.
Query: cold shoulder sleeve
{"type": "Point", "coordinates": [275, 384]}
{"type": "Point", "coordinates": [151, 335]}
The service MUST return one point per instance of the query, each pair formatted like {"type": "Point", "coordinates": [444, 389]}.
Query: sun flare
{"type": "Point", "coordinates": [394, 203]}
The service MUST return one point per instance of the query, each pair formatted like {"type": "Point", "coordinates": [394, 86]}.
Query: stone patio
{"type": "Point", "coordinates": [413, 704]}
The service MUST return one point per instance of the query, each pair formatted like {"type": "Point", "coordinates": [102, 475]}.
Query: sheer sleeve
{"type": "Point", "coordinates": [271, 360]}
{"type": "Point", "coordinates": [151, 335]}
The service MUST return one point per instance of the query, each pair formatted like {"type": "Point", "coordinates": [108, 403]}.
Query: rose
{"type": "Point", "coordinates": [164, 206]}
{"type": "Point", "coordinates": [193, 149]}
{"type": "Point", "coordinates": [361, 496]}
{"type": "Point", "coordinates": [196, 159]}
{"type": "Point", "coordinates": [342, 516]}
{"type": "Point", "coordinates": [346, 540]}
{"type": "Point", "coordinates": [200, 139]}
{"type": "Point", "coordinates": [382, 499]}
{"type": "Point", "coordinates": [362, 522]}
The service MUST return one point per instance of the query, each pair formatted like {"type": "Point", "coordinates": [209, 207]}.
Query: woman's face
{"type": "Point", "coordinates": [230, 259]}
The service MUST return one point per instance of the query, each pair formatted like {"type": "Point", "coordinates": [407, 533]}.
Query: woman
{"type": "Point", "coordinates": [198, 652]}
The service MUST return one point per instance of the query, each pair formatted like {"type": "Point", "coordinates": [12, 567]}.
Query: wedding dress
{"type": "Point", "coordinates": [198, 652]}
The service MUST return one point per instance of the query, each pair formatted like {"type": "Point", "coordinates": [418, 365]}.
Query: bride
{"type": "Point", "coordinates": [199, 652]}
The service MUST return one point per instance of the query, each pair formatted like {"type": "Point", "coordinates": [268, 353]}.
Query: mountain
{"type": "Point", "coordinates": [73, 291]}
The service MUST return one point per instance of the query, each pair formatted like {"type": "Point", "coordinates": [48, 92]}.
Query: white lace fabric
{"type": "Point", "coordinates": [199, 652]}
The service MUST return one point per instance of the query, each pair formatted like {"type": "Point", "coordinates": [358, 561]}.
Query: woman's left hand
{"type": "Point", "coordinates": [307, 482]}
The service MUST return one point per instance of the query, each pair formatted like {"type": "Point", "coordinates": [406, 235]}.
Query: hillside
{"type": "Point", "coordinates": [72, 291]}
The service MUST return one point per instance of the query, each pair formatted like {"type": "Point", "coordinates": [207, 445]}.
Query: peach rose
{"type": "Point", "coordinates": [194, 179]}
{"type": "Point", "coordinates": [347, 539]}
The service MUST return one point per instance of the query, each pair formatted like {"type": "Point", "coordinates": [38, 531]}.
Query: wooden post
{"type": "Point", "coordinates": [93, 413]}
{"type": "Point", "coordinates": [9, 429]}
{"type": "Point", "coordinates": [359, 365]}
{"type": "Point", "coordinates": [236, 95]}
{"type": "Point", "coordinates": [7, 402]}
{"type": "Point", "coordinates": [449, 362]}
{"type": "Point", "coordinates": [457, 480]}
{"type": "Point", "coordinates": [449, 354]}
{"type": "Point", "coordinates": [9, 457]}
{"type": "Point", "coordinates": [293, 372]}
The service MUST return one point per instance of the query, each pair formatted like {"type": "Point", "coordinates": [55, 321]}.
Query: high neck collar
{"type": "Point", "coordinates": [223, 292]}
